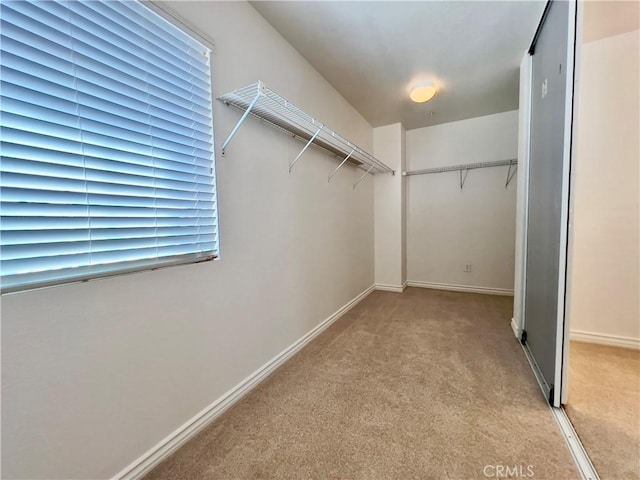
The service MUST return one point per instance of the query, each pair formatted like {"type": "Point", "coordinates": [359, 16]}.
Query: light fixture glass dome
{"type": "Point", "coordinates": [423, 92]}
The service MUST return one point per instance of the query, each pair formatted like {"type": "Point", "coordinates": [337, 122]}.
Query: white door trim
{"type": "Point", "coordinates": [579, 15]}
{"type": "Point", "coordinates": [562, 333]}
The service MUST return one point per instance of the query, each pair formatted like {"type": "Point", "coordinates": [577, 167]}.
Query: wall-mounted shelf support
{"type": "Point", "coordinates": [259, 101]}
{"type": "Point", "coordinates": [464, 169]}
{"type": "Point", "coordinates": [242, 119]}
{"type": "Point", "coordinates": [362, 177]}
{"type": "Point", "coordinates": [513, 168]}
{"type": "Point", "coordinates": [341, 164]}
{"type": "Point", "coordinates": [305, 148]}
{"type": "Point", "coordinates": [463, 178]}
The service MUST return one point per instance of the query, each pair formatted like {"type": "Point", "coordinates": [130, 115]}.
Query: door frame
{"type": "Point", "coordinates": [577, 65]}
{"type": "Point", "coordinates": [568, 182]}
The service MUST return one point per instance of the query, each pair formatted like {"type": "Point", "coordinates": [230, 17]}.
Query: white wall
{"type": "Point", "coordinates": [447, 227]}
{"type": "Point", "coordinates": [605, 293]}
{"type": "Point", "coordinates": [95, 374]}
{"type": "Point", "coordinates": [389, 144]}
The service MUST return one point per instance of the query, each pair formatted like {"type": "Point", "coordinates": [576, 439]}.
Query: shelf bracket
{"type": "Point", "coordinates": [341, 164]}
{"type": "Point", "coordinates": [241, 121]}
{"type": "Point", "coordinates": [511, 173]}
{"type": "Point", "coordinates": [364, 175]}
{"type": "Point", "coordinates": [463, 178]}
{"type": "Point", "coordinates": [305, 148]}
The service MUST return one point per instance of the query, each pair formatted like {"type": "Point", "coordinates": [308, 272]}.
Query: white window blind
{"type": "Point", "coordinates": [106, 142]}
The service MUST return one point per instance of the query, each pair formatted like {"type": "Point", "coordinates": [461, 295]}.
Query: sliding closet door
{"type": "Point", "coordinates": [550, 158]}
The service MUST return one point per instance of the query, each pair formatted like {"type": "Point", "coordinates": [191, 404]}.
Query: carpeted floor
{"type": "Point", "coordinates": [604, 407]}
{"type": "Point", "coordinates": [421, 385]}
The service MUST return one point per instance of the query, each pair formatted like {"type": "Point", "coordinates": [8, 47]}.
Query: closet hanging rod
{"type": "Point", "coordinates": [467, 166]}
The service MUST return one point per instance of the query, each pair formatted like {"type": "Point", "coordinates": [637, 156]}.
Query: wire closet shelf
{"type": "Point", "coordinates": [464, 169]}
{"type": "Point", "coordinates": [261, 102]}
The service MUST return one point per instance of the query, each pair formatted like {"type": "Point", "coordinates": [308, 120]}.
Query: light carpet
{"type": "Point", "coordinates": [426, 384]}
{"type": "Point", "coordinates": [604, 407]}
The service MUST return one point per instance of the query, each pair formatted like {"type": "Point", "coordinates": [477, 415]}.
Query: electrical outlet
{"type": "Point", "coordinates": [467, 268]}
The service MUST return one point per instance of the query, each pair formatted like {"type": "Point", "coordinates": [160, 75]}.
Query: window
{"type": "Point", "coordinates": [106, 142]}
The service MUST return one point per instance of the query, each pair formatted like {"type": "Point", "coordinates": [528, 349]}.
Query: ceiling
{"type": "Point", "coordinates": [373, 52]}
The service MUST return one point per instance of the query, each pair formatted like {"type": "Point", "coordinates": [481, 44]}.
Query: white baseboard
{"type": "Point", "coordinates": [605, 339]}
{"type": "Point", "coordinates": [153, 457]}
{"type": "Point", "coordinates": [516, 328]}
{"type": "Point", "coordinates": [391, 288]}
{"type": "Point", "coordinates": [460, 288]}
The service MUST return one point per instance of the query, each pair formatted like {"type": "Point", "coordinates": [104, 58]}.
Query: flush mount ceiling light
{"type": "Point", "coordinates": [423, 92]}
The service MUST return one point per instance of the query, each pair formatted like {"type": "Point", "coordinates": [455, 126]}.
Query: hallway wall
{"type": "Point", "coordinates": [605, 296]}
